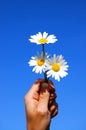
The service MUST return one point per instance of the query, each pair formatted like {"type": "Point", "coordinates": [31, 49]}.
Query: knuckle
{"type": "Point", "coordinates": [53, 96]}
{"type": "Point", "coordinates": [45, 95]}
{"type": "Point", "coordinates": [42, 112]}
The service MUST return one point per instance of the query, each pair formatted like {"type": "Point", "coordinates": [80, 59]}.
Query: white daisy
{"type": "Point", "coordinates": [56, 67]}
{"type": "Point", "coordinates": [39, 62]}
{"type": "Point", "coordinates": [43, 38]}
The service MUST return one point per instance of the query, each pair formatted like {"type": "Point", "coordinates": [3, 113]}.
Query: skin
{"type": "Point", "coordinates": [40, 105]}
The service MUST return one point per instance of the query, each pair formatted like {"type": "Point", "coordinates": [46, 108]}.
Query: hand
{"type": "Point", "coordinates": [40, 106]}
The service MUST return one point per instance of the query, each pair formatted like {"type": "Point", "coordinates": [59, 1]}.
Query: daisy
{"type": "Point", "coordinates": [43, 38]}
{"type": "Point", "coordinates": [39, 62]}
{"type": "Point", "coordinates": [56, 67]}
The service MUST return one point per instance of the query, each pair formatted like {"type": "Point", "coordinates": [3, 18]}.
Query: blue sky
{"type": "Point", "coordinates": [20, 19]}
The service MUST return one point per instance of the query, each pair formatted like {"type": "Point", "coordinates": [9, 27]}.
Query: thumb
{"type": "Point", "coordinates": [44, 97]}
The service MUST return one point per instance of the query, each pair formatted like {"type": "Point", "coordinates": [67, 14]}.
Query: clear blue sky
{"type": "Point", "coordinates": [20, 19]}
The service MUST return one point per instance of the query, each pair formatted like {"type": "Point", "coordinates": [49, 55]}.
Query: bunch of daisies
{"type": "Point", "coordinates": [55, 66]}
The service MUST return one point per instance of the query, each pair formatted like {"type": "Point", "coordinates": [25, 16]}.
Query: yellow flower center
{"type": "Point", "coordinates": [43, 40]}
{"type": "Point", "coordinates": [40, 62]}
{"type": "Point", "coordinates": [55, 67]}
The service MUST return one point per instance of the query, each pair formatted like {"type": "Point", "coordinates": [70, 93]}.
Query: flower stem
{"type": "Point", "coordinates": [43, 51]}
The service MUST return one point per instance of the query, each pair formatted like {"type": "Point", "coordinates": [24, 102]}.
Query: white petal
{"type": "Point", "coordinates": [57, 77]}
{"type": "Point", "coordinates": [37, 70]}
{"type": "Point", "coordinates": [63, 73]}
{"type": "Point", "coordinates": [40, 71]}
{"type": "Point", "coordinates": [49, 74]}
{"type": "Point", "coordinates": [34, 37]}
{"type": "Point", "coordinates": [33, 57]}
{"type": "Point", "coordinates": [51, 39]}
{"type": "Point", "coordinates": [54, 58]}
{"type": "Point", "coordinates": [53, 74]}
{"type": "Point", "coordinates": [32, 62]}
{"type": "Point", "coordinates": [45, 35]}
{"type": "Point", "coordinates": [33, 40]}
{"type": "Point", "coordinates": [34, 69]}
{"type": "Point", "coordinates": [39, 35]}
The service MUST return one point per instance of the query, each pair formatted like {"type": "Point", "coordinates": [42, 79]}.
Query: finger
{"type": "Point", "coordinates": [49, 83]}
{"type": "Point", "coordinates": [53, 96]}
{"type": "Point", "coordinates": [50, 102]}
{"type": "Point", "coordinates": [39, 80]}
{"type": "Point", "coordinates": [35, 87]}
{"type": "Point", "coordinates": [51, 86]}
{"type": "Point", "coordinates": [43, 103]}
{"type": "Point", "coordinates": [55, 112]}
{"type": "Point", "coordinates": [33, 90]}
{"type": "Point", "coordinates": [44, 93]}
{"type": "Point", "coordinates": [53, 109]}
{"type": "Point", "coordinates": [44, 97]}
{"type": "Point", "coordinates": [43, 87]}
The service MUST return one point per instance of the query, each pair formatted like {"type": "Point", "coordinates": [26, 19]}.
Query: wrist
{"type": "Point", "coordinates": [31, 127]}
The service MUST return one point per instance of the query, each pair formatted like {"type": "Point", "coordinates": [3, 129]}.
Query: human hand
{"type": "Point", "coordinates": [40, 105]}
